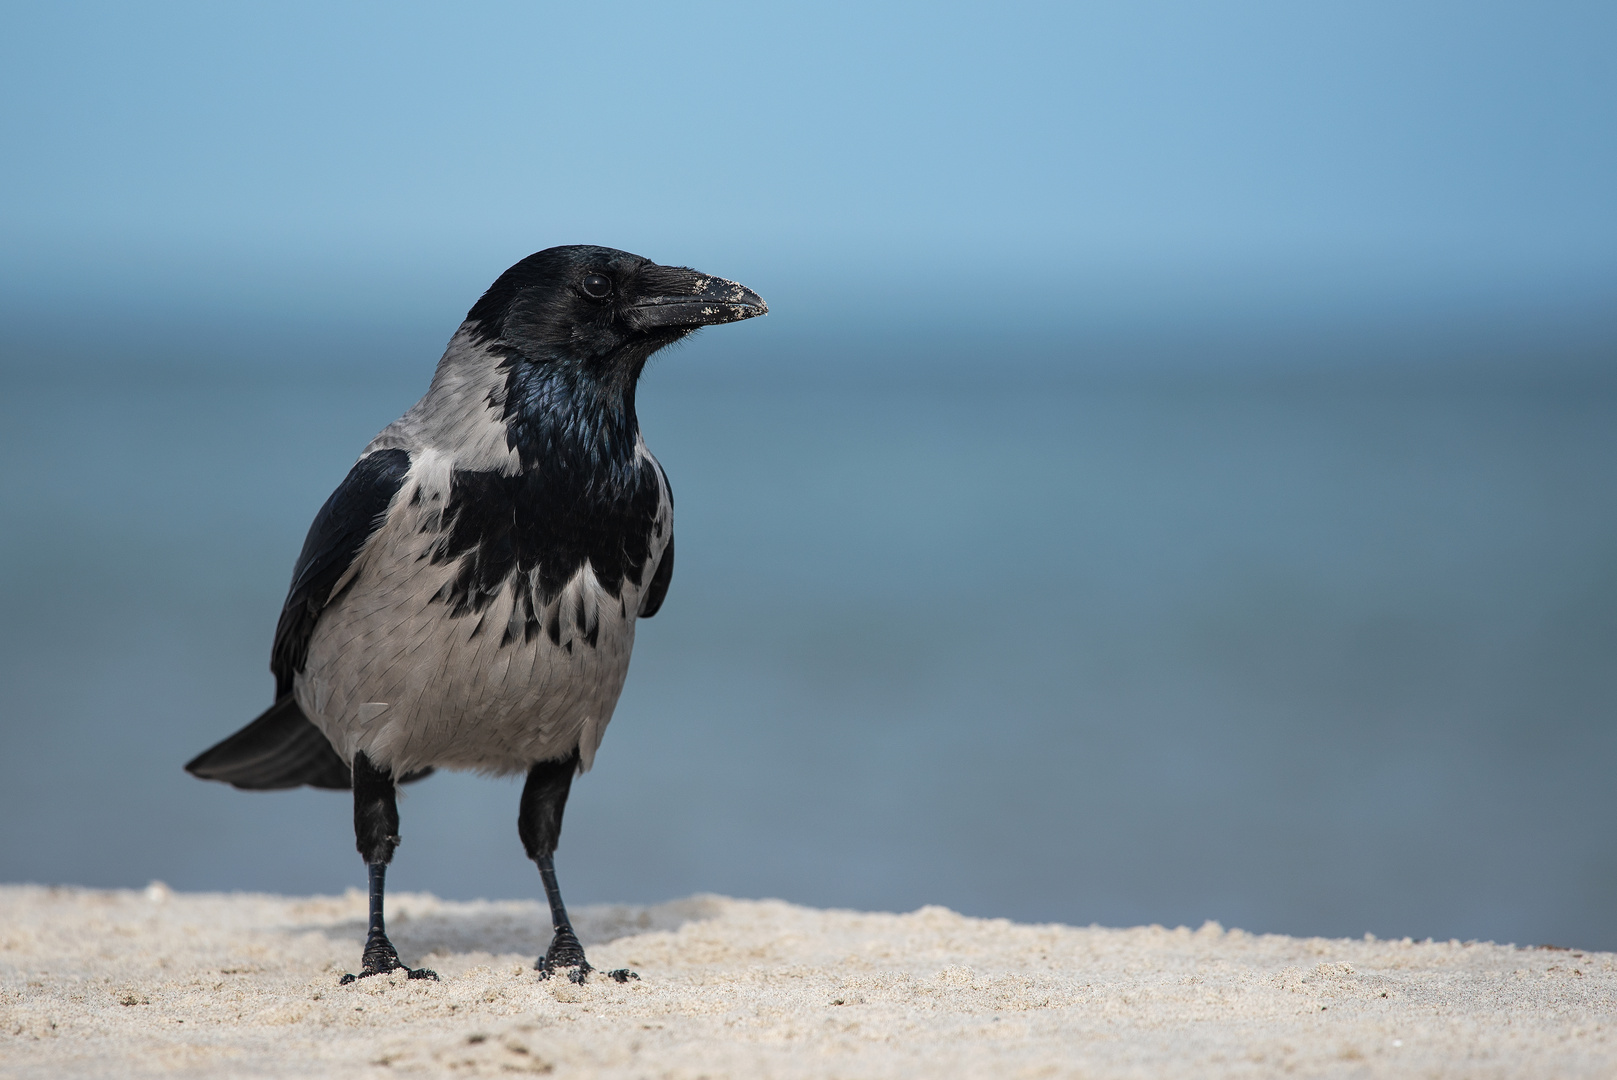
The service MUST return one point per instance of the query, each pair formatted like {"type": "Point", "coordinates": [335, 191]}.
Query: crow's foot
{"type": "Point", "coordinates": [409, 973]}
{"type": "Point", "coordinates": [379, 959]}
{"type": "Point", "coordinates": [566, 955]}
{"type": "Point", "coordinates": [581, 973]}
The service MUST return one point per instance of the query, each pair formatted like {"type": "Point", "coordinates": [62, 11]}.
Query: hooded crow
{"type": "Point", "coordinates": [467, 597]}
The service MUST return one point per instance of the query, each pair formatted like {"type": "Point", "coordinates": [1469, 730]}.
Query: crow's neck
{"type": "Point", "coordinates": [578, 430]}
{"type": "Point", "coordinates": [580, 495]}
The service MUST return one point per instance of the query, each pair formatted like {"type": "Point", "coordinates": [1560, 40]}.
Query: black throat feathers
{"type": "Point", "coordinates": [582, 493]}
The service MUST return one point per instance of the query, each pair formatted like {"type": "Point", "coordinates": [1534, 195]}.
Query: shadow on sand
{"type": "Point", "coordinates": [424, 925]}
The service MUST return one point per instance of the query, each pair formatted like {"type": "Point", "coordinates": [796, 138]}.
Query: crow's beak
{"type": "Point", "coordinates": [676, 298]}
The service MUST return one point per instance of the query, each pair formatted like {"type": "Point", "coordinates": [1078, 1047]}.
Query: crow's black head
{"type": "Point", "coordinates": [602, 310]}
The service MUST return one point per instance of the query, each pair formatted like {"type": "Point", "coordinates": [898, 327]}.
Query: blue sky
{"type": "Point", "coordinates": [323, 156]}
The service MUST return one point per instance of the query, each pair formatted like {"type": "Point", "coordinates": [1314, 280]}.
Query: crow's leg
{"type": "Point", "coordinates": [544, 797]}
{"type": "Point", "coordinates": [376, 834]}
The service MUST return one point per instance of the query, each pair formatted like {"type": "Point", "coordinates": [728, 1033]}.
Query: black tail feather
{"type": "Point", "coordinates": [280, 749]}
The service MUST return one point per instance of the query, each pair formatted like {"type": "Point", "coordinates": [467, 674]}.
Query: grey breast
{"type": "Point", "coordinates": [391, 669]}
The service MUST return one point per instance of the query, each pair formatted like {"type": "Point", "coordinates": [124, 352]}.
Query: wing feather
{"type": "Point", "coordinates": [353, 513]}
{"type": "Point", "coordinates": [282, 748]}
{"type": "Point", "coordinates": [658, 589]}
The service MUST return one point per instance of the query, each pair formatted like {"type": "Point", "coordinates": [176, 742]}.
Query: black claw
{"type": "Point", "coordinates": [580, 973]}
{"type": "Point", "coordinates": [380, 958]}
{"type": "Point", "coordinates": [577, 971]}
{"type": "Point", "coordinates": [565, 952]}
{"type": "Point", "coordinates": [577, 968]}
{"type": "Point", "coordinates": [409, 973]}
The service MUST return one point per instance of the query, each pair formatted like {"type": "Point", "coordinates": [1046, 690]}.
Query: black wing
{"type": "Point", "coordinates": [282, 749]}
{"type": "Point", "coordinates": [658, 589]}
{"type": "Point", "coordinates": [354, 511]}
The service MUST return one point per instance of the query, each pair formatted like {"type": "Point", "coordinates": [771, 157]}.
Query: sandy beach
{"type": "Point", "coordinates": [156, 983]}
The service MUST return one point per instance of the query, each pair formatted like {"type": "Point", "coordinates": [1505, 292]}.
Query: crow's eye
{"type": "Point", "coordinates": [596, 286]}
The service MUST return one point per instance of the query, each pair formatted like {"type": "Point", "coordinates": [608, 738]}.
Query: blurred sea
{"type": "Point", "coordinates": [1325, 653]}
